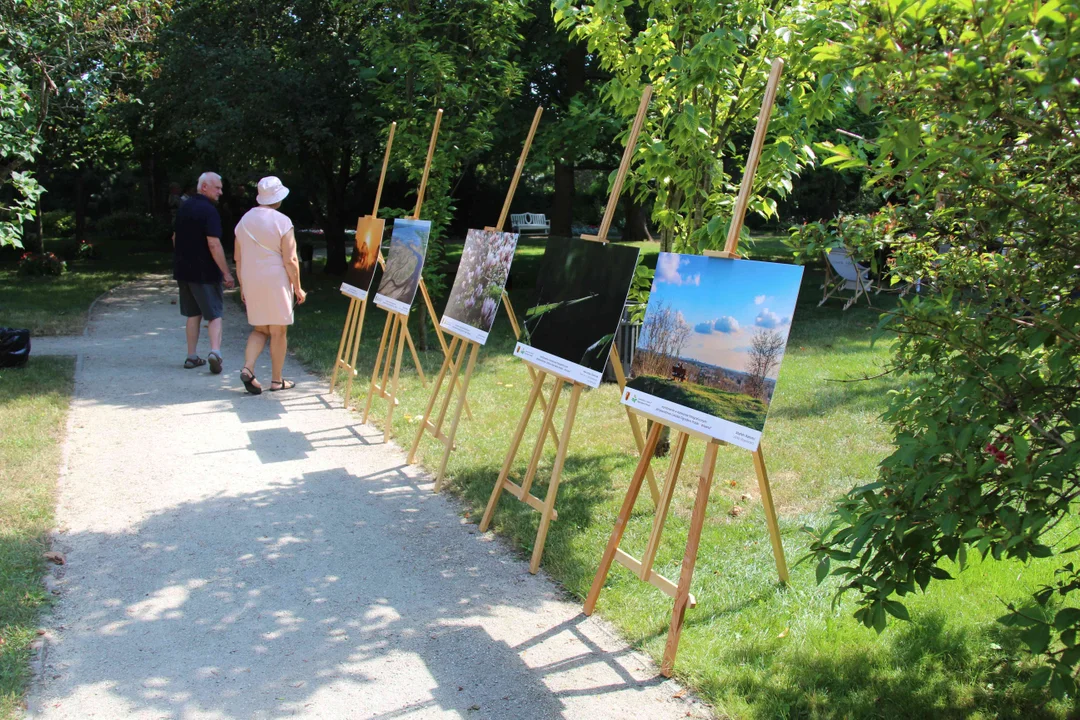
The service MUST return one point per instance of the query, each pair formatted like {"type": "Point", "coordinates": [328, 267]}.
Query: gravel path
{"type": "Point", "coordinates": [231, 556]}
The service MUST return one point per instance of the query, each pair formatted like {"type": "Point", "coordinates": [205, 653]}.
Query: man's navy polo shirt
{"type": "Point", "coordinates": [196, 220]}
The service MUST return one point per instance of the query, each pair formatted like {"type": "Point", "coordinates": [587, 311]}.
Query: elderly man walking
{"type": "Point", "coordinates": [199, 268]}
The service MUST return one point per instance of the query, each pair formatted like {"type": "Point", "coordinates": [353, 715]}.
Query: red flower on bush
{"type": "Point", "coordinates": [34, 264]}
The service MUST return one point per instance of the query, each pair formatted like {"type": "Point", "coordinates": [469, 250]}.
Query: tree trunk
{"type": "Point", "coordinates": [38, 244]}
{"type": "Point", "coordinates": [80, 205]}
{"type": "Point", "coordinates": [562, 212]}
{"type": "Point", "coordinates": [336, 194]}
{"type": "Point", "coordinates": [422, 341]}
{"type": "Point", "coordinates": [634, 229]}
{"type": "Point", "coordinates": [149, 183]}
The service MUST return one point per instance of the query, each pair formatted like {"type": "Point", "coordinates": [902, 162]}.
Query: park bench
{"type": "Point", "coordinates": [527, 222]}
{"type": "Point", "coordinates": [842, 273]}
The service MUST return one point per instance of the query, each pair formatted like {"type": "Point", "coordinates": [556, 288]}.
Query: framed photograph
{"type": "Point", "coordinates": [365, 257]}
{"type": "Point", "coordinates": [478, 286]}
{"type": "Point", "coordinates": [711, 345]}
{"type": "Point", "coordinates": [404, 263]}
{"type": "Point", "coordinates": [581, 293]}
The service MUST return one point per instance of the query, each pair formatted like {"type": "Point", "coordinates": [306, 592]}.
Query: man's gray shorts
{"type": "Point", "coordinates": [206, 299]}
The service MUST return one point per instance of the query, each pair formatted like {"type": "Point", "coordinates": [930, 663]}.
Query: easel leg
{"type": "Point", "coordinates": [415, 356]}
{"type": "Point", "coordinates": [511, 453]}
{"type": "Point", "coordinates": [457, 416]}
{"type": "Point", "coordinates": [456, 363]}
{"type": "Point", "coordinates": [682, 595]}
{"type": "Point", "coordinates": [352, 355]}
{"type": "Point", "coordinates": [556, 474]}
{"type": "Point", "coordinates": [543, 407]}
{"type": "Point", "coordinates": [662, 506]}
{"type": "Point", "coordinates": [624, 516]}
{"type": "Point", "coordinates": [770, 515]}
{"type": "Point", "coordinates": [639, 440]}
{"type": "Point", "coordinates": [378, 364]}
{"type": "Point", "coordinates": [538, 449]}
{"type": "Point", "coordinates": [427, 411]}
{"type": "Point", "coordinates": [397, 371]}
{"type": "Point", "coordinates": [395, 332]}
{"type": "Point", "coordinates": [341, 345]}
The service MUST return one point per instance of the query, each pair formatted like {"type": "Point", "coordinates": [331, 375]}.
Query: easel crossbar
{"type": "Point", "coordinates": [546, 507]}
{"type": "Point", "coordinates": [654, 578]}
{"type": "Point", "coordinates": [528, 498]}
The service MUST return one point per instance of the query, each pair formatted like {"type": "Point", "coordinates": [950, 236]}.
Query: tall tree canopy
{"type": "Point", "coordinates": [308, 88]}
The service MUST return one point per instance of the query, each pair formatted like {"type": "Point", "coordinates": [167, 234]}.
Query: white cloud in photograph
{"type": "Point", "coordinates": [768, 319]}
{"type": "Point", "coordinates": [667, 271]}
{"type": "Point", "coordinates": [726, 324]}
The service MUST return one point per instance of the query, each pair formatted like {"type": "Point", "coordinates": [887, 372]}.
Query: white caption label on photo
{"type": "Point", "coordinates": [391, 304]}
{"type": "Point", "coordinates": [462, 330]}
{"type": "Point", "coordinates": [681, 416]}
{"type": "Point", "coordinates": [353, 291]}
{"type": "Point", "coordinates": [555, 364]}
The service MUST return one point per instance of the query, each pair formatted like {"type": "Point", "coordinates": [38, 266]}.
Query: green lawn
{"type": "Point", "coordinates": [736, 407]}
{"type": "Point", "coordinates": [752, 648]}
{"type": "Point", "coordinates": [33, 407]}
{"type": "Point", "coordinates": [57, 305]}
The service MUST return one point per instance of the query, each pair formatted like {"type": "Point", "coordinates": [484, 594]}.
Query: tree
{"type": "Point", "coordinates": [19, 143]}
{"type": "Point", "coordinates": [707, 62]}
{"type": "Point", "coordinates": [59, 59]}
{"type": "Point", "coordinates": [766, 350]}
{"type": "Point", "coordinates": [664, 334]}
{"type": "Point", "coordinates": [307, 88]}
{"type": "Point", "coordinates": [979, 135]}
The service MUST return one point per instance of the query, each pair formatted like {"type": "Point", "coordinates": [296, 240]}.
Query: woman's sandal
{"type": "Point", "coordinates": [248, 378]}
{"type": "Point", "coordinates": [284, 385]}
{"type": "Point", "coordinates": [193, 362]}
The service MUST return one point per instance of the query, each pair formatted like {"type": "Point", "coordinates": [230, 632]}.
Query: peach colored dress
{"type": "Point", "coordinates": [263, 250]}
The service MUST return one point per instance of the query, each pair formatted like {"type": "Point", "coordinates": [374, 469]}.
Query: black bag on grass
{"type": "Point", "coordinates": [14, 347]}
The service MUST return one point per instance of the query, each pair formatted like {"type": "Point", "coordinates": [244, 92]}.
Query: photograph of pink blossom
{"type": "Point", "coordinates": [478, 287]}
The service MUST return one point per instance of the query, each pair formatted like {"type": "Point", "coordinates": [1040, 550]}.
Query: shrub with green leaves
{"type": "Point", "coordinates": [58, 223]}
{"type": "Point", "coordinates": [978, 112]}
{"type": "Point", "coordinates": [38, 264]}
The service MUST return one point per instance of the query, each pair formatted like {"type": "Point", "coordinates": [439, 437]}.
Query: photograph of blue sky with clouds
{"type": "Point", "coordinates": [713, 338]}
{"type": "Point", "coordinates": [725, 302]}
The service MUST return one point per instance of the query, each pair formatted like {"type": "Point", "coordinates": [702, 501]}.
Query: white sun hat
{"type": "Point", "coordinates": [271, 191]}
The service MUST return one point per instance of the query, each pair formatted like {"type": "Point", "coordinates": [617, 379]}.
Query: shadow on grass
{"type": "Point", "coordinates": [912, 674]}
{"type": "Point", "coordinates": [852, 397]}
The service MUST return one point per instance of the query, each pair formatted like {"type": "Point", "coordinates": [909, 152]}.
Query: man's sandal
{"type": "Point", "coordinates": [282, 385]}
{"type": "Point", "coordinates": [248, 378]}
{"type": "Point", "coordinates": [193, 363]}
{"type": "Point", "coordinates": [215, 362]}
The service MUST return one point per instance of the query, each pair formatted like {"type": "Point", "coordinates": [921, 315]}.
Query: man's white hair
{"type": "Point", "coordinates": [205, 178]}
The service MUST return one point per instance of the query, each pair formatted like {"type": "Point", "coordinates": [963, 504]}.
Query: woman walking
{"type": "Point", "coordinates": [269, 276]}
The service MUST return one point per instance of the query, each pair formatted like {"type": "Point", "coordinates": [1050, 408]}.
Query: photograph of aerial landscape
{"type": "Point", "coordinates": [404, 263]}
{"type": "Point", "coordinates": [713, 338]}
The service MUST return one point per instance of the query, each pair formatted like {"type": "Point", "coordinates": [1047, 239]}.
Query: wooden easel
{"type": "Point", "coordinates": [354, 319]}
{"type": "Point", "coordinates": [546, 508]}
{"type": "Point", "coordinates": [396, 329]}
{"type": "Point", "coordinates": [643, 567]}
{"type": "Point", "coordinates": [460, 348]}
